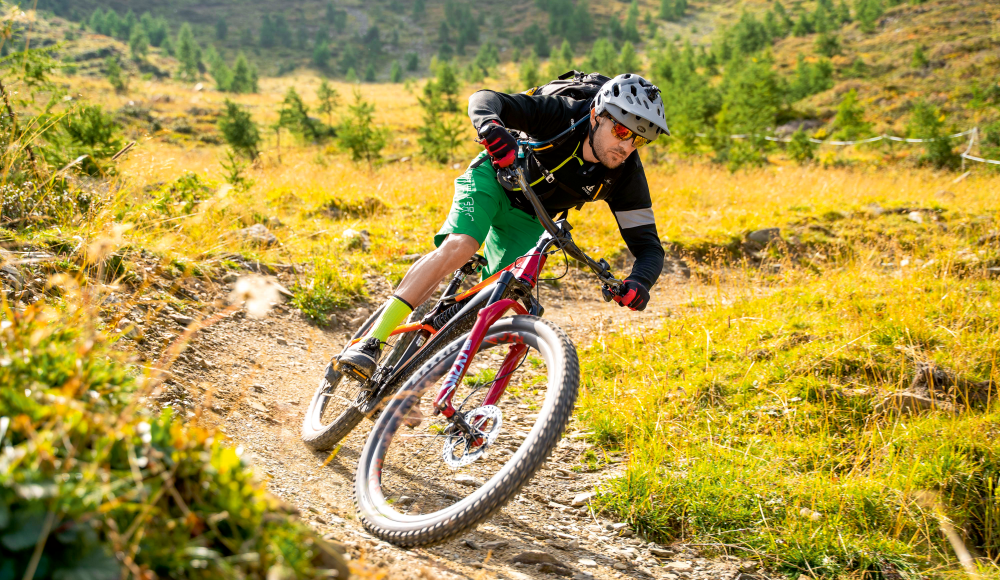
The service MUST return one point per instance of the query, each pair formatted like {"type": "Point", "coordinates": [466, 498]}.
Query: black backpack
{"type": "Point", "coordinates": [573, 84]}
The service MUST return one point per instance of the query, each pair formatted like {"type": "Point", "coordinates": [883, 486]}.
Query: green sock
{"type": "Point", "coordinates": [396, 310]}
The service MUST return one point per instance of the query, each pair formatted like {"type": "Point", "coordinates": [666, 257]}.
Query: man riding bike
{"type": "Point", "coordinates": [590, 161]}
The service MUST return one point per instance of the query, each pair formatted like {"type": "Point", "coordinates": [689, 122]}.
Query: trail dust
{"type": "Point", "coordinates": [255, 381]}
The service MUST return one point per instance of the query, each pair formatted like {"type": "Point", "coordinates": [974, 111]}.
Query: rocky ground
{"type": "Point", "coordinates": [254, 379]}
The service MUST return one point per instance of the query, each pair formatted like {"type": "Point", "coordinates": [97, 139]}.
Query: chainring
{"type": "Point", "coordinates": [476, 418]}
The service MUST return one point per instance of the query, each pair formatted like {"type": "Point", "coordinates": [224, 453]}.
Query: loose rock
{"type": "Point", "coordinates": [258, 234]}
{"type": "Point", "coordinates": [765, 235]}
{"type": "Point", "coordinates": [534, 557]}
{"type": "Point", "coordinates": [557, 569]}
{"type": "Point", "coordinates": [467, 480]}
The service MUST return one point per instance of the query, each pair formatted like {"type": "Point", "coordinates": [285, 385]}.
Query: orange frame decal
{"type": "Point", "coordinates": [403, 329]}
{"type": "Point", "coordinates": [479, 286]}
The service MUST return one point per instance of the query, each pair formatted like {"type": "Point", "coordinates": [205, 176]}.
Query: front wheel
{"type": "Point", "coordinates": [420, 481]}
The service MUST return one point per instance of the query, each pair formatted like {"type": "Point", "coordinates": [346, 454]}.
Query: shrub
{"type": "Point", "coordinates": [115, 75]}
{"type": "Point", "coordinates": [358, 132]}
{"type": "Point", "coordinates": [927, 122]}
{"type": "Point", "coordinates": [85, 132]}
{"type": "Point", "coordinates": [239, 130]}
{"type": "Point", "coordinates": [849, 123]}
{"type": "Point", "coordinates": [184, 505]}
{"type": "Point", "coordinates": [328, 99]}
{"type": "Point", "coordinates": [439, 134]}
{"type": "Point", "coordinates": [800, 148]}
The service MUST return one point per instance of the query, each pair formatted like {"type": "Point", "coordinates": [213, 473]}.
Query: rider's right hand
{"type": "Point", "coordinates": [498, 143]}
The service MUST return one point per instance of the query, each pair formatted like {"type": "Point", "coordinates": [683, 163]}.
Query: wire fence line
{"type": "Point", "coordinates": [972, 133]}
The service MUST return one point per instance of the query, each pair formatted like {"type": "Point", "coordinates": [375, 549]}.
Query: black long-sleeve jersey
{"type": "Point", "coordinates": [576, 180]}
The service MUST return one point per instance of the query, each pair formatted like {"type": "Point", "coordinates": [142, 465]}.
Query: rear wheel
{"type": "Point", "coordinates": [420, 481]}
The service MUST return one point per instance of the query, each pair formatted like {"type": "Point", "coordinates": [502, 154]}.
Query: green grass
{"type": "Point", "coordinates": [757, 423]}
{"type": "Point", "coordinates": [88, 473]}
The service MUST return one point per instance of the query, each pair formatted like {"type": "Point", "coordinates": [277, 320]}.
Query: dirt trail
{"type": "Point", "coordinates": [255, 379]}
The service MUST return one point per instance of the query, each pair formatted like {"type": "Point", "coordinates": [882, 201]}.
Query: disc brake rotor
{"type": "Point", "coordinates": [460, 450]}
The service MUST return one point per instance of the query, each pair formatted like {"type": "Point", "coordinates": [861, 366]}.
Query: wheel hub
{"type": "Point", "coordinates": [461, 449]}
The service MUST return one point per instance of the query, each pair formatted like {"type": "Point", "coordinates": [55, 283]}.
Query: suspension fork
{"type": "Point", "coordinates": [496, 307]}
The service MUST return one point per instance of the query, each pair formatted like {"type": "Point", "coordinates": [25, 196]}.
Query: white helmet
{"type": "Point", "coordinates": [634, 102]}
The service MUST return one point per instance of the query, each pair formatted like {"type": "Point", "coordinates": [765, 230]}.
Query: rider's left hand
{"type": "Point", "coordinates": [635, 295]}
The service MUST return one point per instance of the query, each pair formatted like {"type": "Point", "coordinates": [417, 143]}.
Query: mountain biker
{"type": "Point", "coordinates": [599, 160]}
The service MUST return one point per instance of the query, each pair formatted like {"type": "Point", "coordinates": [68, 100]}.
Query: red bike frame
{"type": "Point", "coordinates": [525, 269]}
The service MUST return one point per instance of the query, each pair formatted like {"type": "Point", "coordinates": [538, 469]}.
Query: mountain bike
{"type": "Point", "coordinates": [424, 478]}
{"type": "Point", "coordinates": [342, 401]}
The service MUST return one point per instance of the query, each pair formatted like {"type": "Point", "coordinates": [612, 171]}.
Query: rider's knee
{"type": "Point", "coordinates": [459, 246]}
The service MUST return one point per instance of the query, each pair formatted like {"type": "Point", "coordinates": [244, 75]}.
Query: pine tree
{"type": "Point", "coordinates": [218, 69]}
{"type": "Point", "coordinates": [561, 61]}
{"type": "Point", "coordinates": [321, 55]}
{"type": "Point", "coordinates": [138, 44]}
{"type": "Point", "coordinates": [116, 76]}
{"type": "Point", "coordinates": [221, 29]}
{"type": "Point", "coordinates": [927, 122]}
{"type": "Point", "coordinates": [412, 61]}
{"type": "Point", "coordinates": [783, 18]}
{"type": "Point", "coordinates": [239, 130]}
{"type": "Point", "coordinates": [629, 60]}
{"type": "Point", "coordinates": [529, 71]}
{"type": "Point", "coordinates": [396, 72]}
{"type": "Point", "coordinates": [439, 134]}
{"type": "Point", "coordinates": [267, 37]}
{"type": "Point", "coordinates": [750, 104]}
{"type": "Point", "coordinates": [188, 53]}
{"type": "Point", "coordinates": [666, 10]}
{"type": "Point", "coordinates": [446, 84]}
{"type": "Point", "coordinates": [156, 28]}
{"type": "Point", "coordinates": [919, 59]}
{"type": "Point", "coordinates": [843, 13]}
{"type": "Point", "coordinates": [126, 26]}
{"type": "Point", "coordinates": [828, 44]}
{"type": "Point", "coordinates": [867, 13]}
{"type": "Point", "coordinates": [328, 100]}
{"type": "Point", "coordinates": [486, 59]}
{"type": "Point", "coordinates": [802, 26]}
{"type": "Point", "coordinates": [358, 132]}
{"type": "Point", "coordinates": [111, 23]}
{"type": "Point", "coordinates": [800, 148]}
{"type": "Point", "coordinates": [821, 20]}
{"type": "Point", "coordinates": [282, 33]}
{"type": "Point", "coordinates": [294, 116]}
{"type": "Point", "coordinates": [632, 23]}
{"type": "Point", "coordinates": [370, 73]}
{"type": "Point", "coordinates": [603, 58]}
{"type": "Point", "coordinates": [419, 9]}
{"type": "Point", "coordinates": [96, 22]}
{"type": "Point", "coordinates": [849, 123]}
{"type": "Point", "coordinates": [351, 76]}
{"type": "Point", "coordinates": [244, 76]}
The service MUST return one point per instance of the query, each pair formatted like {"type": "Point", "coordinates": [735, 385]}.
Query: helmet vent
{"type": "Point", "coordinates": [617, 91]}
{"type": "Point", "coordinates": [628, 76]}
{"type": "Point", "coordinates": [629, 99]}
{"type": "Point", "coordinates": [635, 93]}
{"type": "Point", "coordinates": [646, 103]}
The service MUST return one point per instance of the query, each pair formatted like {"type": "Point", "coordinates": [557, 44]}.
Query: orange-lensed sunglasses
{"type": "Point", "coordinates": [623, 133]}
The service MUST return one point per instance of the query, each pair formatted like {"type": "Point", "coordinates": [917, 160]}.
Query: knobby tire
{"type": "Point", "coordinates": [376, 514]}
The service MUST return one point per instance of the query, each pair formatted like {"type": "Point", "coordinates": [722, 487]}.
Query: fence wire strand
{"type": "Point", "coordinates": [972, 133]}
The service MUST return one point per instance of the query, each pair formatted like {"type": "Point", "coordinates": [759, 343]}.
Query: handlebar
{"type": "Point", "coordinates": [516, 173]}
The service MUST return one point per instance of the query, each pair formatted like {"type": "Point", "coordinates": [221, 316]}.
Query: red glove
{"type": "Point", "coordinates": [498, 143]}
{"type": "Point", "coordinates": [636, 296]}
